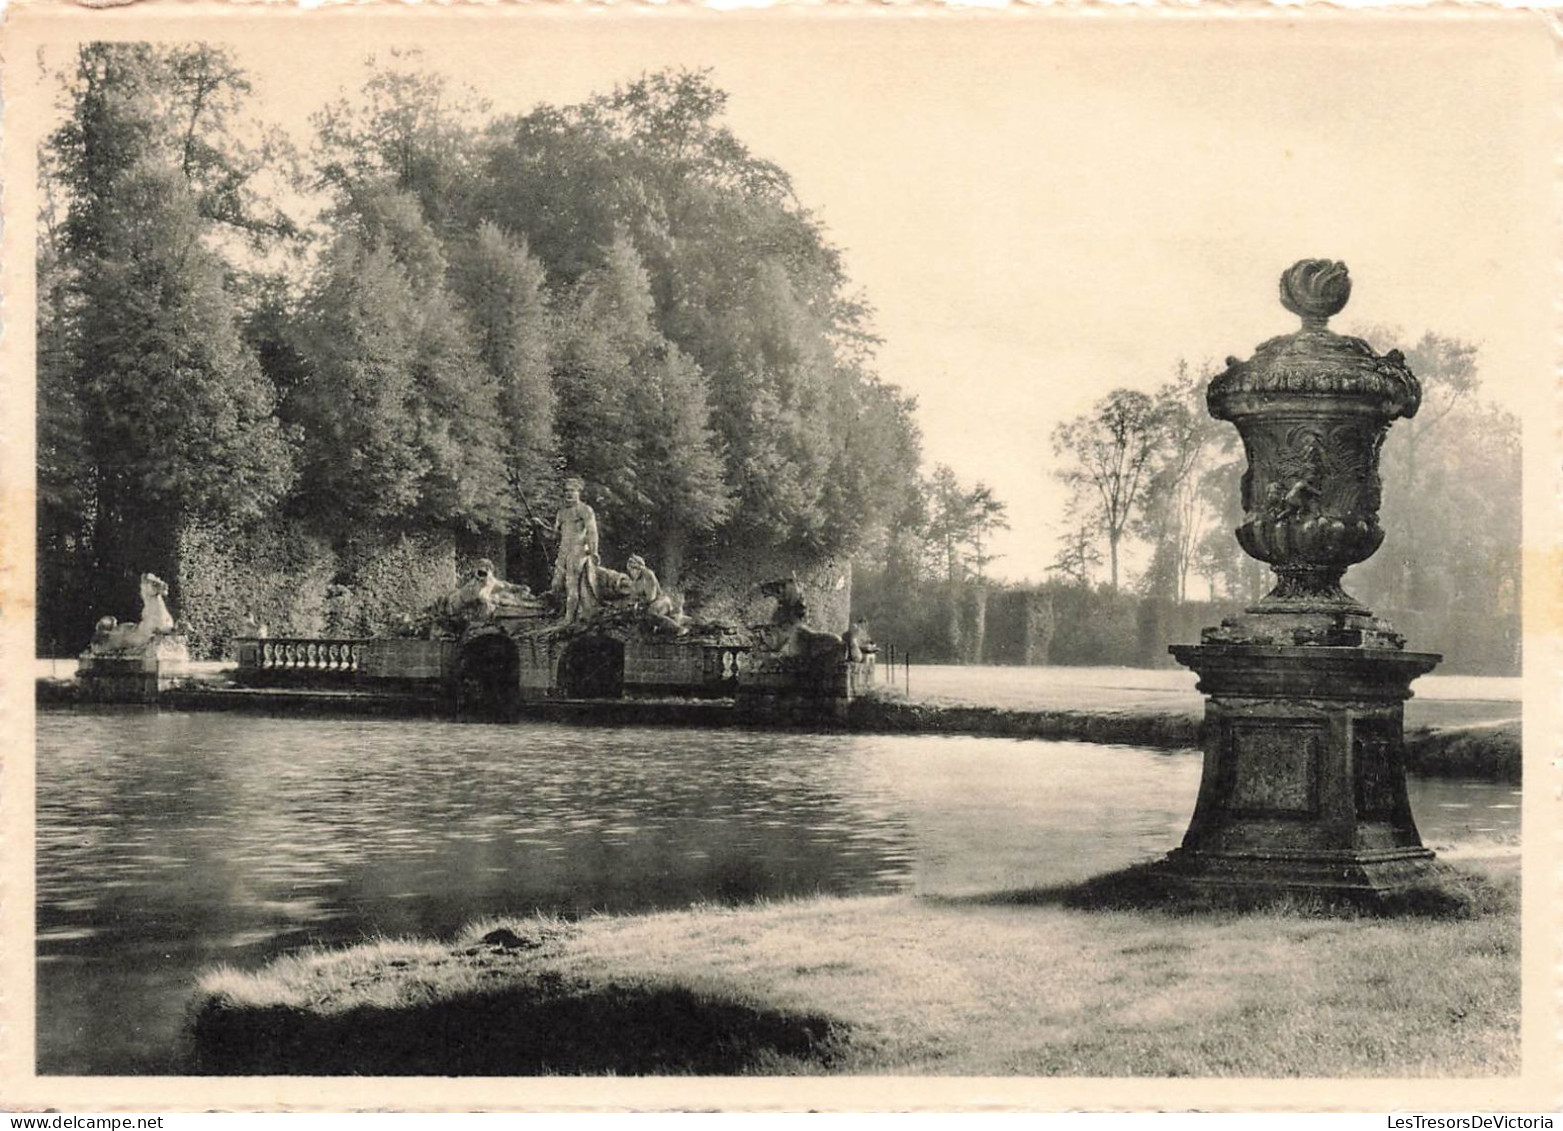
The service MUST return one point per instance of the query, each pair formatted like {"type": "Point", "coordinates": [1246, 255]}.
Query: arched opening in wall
{"type": "Point", "coordinates": [488, 678]}
{"type": "Point", "coordinates": [592, 668]}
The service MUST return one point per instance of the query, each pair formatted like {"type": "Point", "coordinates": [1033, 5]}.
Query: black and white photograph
{"type": "Point", "coordinates": [797, 557]}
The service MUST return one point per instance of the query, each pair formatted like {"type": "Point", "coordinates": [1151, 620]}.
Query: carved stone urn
{"type": "Point", "coordinates": [1312, 408]}
{"type": "Point", "coordinates": [1304, 776]}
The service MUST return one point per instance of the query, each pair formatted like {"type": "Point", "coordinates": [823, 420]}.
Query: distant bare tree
{"type": "Point", "coordinates": [1078, 556]}
{"type": "Point", "coordinates": [1112, 448]}
{"type": "Point", "coordinates": [961, 520]}
{"type": "Point", "coordinates": [1173, 513]}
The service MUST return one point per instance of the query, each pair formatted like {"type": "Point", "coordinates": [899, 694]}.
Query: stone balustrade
{"type": "Point", "coordinates": [298, 659]}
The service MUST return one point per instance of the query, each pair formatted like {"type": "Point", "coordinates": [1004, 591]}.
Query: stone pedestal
{"type": "Point", "coordinates": [133, 675]}
{"type": "Point", "coordinates": [1304, 780]}
{"type": "Point", "coordinates": [539, 666]}
{"type": "Point", "coordinates": [1304, 785]}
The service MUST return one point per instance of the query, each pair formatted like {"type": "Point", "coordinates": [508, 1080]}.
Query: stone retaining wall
{"type": "Point", "coordinates": [403, 659]}
{"type": "Point", "coordinates": [681, 668]}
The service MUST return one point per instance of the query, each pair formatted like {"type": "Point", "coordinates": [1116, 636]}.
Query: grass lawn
{"type": "Point", "coordinates": [1066, 982]}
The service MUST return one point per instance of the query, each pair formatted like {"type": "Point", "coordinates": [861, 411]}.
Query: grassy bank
{"type": "Point", "coordinates": [1162, 729]}
{"type": "Point", "coordinates": [1090, 980]}
{"type": "Point", "coordinates": [1491, 751]}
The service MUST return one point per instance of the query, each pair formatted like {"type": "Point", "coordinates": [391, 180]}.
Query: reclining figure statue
{"type": "Point", "coordinates": [663, 611]}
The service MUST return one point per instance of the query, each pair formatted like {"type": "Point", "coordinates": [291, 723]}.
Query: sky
{"type": "Point", "coordinates": [1040, 207]}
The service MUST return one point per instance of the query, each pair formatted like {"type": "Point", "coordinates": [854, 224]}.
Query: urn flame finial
{"type": "Point", "coordinates": [1315, 289]}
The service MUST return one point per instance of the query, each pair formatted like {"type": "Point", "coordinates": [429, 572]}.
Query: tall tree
{"type": "Point", "coordinates": [182, 416]}
{"type": "Point", "coordinates": [65, 471]}
{"type": "Point", "coordinates": [411, 128]}
{"type": "Point", "coordinates": [182, 426]}
{"type": "Point", "coordinates": [633, 419]}
{"type": "Point", "coordinates": [362, 464]}
{"type": "Point", "coordinates": [681, 477]}
{"type": "Point", "coordinates": [1078, 555]}
{"type": "Point", "coordinates": [605, 325]}
{"type": "Point", "coordinates": [961, 521]}
{"type": "Point", "coordinates": [503, 290]}
{"type": "Point", "coordinates": [402, 417]}
{"type": "Point", "coordinates": [1111, 449]}
{"type": "Point", "coordinates": [880, 460]}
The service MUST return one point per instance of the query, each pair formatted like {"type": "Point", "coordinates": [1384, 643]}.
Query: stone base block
{"type": "Point", "coordinates": [1277, 625]}
{"type": "Point", "coordinates": [792, 677]}
{"type": "Point", "coordinates": [784, 690]}
{"type": "Point", "coordinates": [1353, 875]}
{"type": "Point", "coordinates": [126, 676]}
{"type": "Point", "coordinates": [131, 686]}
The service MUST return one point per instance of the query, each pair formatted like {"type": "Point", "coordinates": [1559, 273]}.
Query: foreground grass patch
{"type": "Point", "coordinates": [490, 1005]}
{"type": "Point", "coordinates": [895, 985]}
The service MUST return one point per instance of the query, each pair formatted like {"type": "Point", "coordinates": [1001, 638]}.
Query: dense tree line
{"type": "Point", "coordinates": [460, 309]}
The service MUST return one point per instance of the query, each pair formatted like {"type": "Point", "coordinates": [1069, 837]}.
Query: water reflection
{"type": "Point", "coordinates": [168, 842]}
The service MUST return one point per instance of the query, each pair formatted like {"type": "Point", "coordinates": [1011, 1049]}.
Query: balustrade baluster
{"type": "Point", "coordinates": [304, 656]}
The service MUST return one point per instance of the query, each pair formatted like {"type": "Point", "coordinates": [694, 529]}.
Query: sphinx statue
{"type": "Point", "coordinates": [155, 616]}
{"type": "Point", "coordinates": [111, 636]}
{"type": "Point", "coordinates": [134, 662]}
{"type": "Point", "coordinates": [789, 635]}
{"type": "Point", "coordinates": [481, 596]}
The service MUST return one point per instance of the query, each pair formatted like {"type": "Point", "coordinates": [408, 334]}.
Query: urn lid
{"type": "Point", "coordinates": [1315, 365]}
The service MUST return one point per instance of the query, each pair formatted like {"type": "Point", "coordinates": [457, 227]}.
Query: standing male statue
{"type": "Point", "coordinates": [575, 566]}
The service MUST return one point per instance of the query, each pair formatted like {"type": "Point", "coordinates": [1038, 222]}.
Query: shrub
{"type": "Point", "coordinates": [274, 572]}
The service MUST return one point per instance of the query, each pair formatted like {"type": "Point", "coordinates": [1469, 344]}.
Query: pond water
{"type": "Point", "coordinates": [168, 842]}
